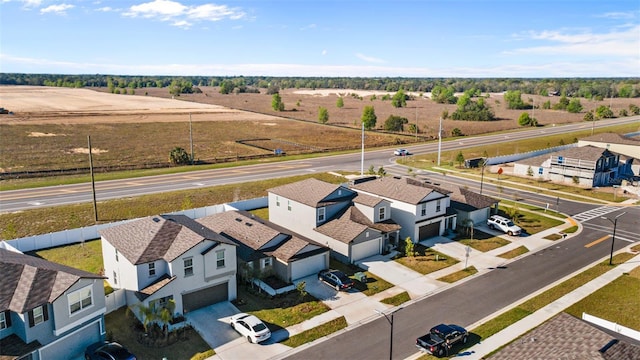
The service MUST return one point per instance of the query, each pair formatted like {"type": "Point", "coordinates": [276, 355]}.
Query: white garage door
{"type": "Point", "coordinates": [308, 266]}
{"type": "Point", "coordinates": [365, 249]}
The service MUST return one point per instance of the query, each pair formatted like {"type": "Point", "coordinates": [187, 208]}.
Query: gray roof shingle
{"type": "Point", "coordinates": [158, 237]}
{"type": "Point", "coordinates": [343, 228]}
{"type": "Point", "coordinates": [612, 138]}
{"type": "Point", "coordinates": [310, 192]}
{"type": "Point", "coordinates": [28, 281]}
{"type": "Point", "coordinates": [402, 189]}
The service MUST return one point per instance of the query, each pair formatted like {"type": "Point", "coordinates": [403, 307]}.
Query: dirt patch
{"type": "Point", "coordinates": [40, 134]}
{"type": "Point", "coordinates": [86, 151]}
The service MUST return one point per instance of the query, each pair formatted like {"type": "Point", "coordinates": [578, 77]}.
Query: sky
{"type": "Point", "coordinates": [329, 38]}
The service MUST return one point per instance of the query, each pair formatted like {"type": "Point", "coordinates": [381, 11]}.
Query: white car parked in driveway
{"type": "Point", "coordinates": [503, 224]}
{"type": "Point", "coordinates": [250, 327]}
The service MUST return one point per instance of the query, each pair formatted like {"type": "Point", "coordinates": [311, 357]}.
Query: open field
{"type": "Point", "coordinates": [49, 127]}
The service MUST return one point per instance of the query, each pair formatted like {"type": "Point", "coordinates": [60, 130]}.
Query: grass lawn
{"type": "Point", "coordinates": [123, 329]}
{"type": "Point", "coordinates": [87, 256]}
{"type": "Point", "coordinates": [482, 241]}
{"type": "Point", "coordinates": [515, 252]}
{"type": "Point", "coordinates": [396, 300]}
{"type": "Point", "coordinates": [529, 221]}
{"type": "Point", "coordinates": [458, 275]}
{"type": "Point", "coordinates": [280, 311]}
{"type": "Point", "coordinates": [426, 260]}
{"type": "Point", "coordinates": [618, 301]}
{"type": "Point", "coordinates": [316, 333]}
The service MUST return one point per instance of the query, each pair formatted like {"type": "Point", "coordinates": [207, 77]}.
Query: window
{"type": "Point", "coordinates": [188, 267]}
{"type": "Point", "coordinates": [321, 214]}
{"type": "Point", "coordinates": [382, 213]}
{"type": "Point", "coordinates": [438, 205]}
{"type": "Point", "coordinates": [152, 269]}
{"type": "Point", "coordinates": [38, 315]}
{"type": "Point", "coordinates": [160, 303]}
{"type": "Point", "coordinates": [117, 255]}
{"type": "Point", "coordinates": [289, 205]}
{"type": "Point", "coordinates": [267, 262]}
{"type": "Point", "coordinates": [277, 201]}
{"type": "Point", "coordinates": [220, 259]}
{"type": "Point", "coordinates": [79, 299]}
{"type": "Point", "coordinates": [115, 278]}
{"type": "Point", "coordinates": [5, 319]}
{"type": "Point", "coordinates": [423, 210]}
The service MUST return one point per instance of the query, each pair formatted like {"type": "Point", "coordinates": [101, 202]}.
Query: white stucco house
{"type": "Point", "coordinates": [267, 249]}
{"type": "Point", "coordinates": [330, 215]}
{"type": "Point", "coordinates": [421, 211]}
{"type": "Point", "coordinates": [170, 257]}
{"type": "Point", "coordinates": [47, 310]}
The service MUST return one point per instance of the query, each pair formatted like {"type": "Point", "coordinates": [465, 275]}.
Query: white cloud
{"type": "Point", "coordinates": [27, 4]}
{"type": "Point", "coordinates": [324, 52]}
{"type": "Point", "coordinates": [369, 58]}
{"type": "Point", "coordinates": [615, 43]}
{"type": "Point", "coordinates": [619, 15]}
{"type": "Point", "coordinates": [60, 9]}
{"type": "Point", "coordinates": [105, 9]}
{"type": "Point", "coordinates": [183, 15]}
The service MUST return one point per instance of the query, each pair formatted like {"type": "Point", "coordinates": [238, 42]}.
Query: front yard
{"type": "Point", "coordinates": [426, 260]}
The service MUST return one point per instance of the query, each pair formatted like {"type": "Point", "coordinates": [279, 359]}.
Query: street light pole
{"type": "Point", "coordinates": [613, 238]}
{"type": "Point", "coordinates": [389, 318]}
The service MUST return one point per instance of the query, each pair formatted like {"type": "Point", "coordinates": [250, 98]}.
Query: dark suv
{"type": "Point", "coordinates": [336, 279]}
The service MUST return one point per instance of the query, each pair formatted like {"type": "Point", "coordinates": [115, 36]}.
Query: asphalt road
{"type": "Point", "coordinates": [17, 200]}
{"type": "Point", "coordinates": [472, 301]}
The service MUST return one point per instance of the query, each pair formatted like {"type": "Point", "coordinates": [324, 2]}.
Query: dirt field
{"type": "Point", "coordinates": [50, 125]}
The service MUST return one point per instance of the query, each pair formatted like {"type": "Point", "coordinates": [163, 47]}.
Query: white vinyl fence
{"type": "Point", "coordinates": [115, 300]}
{"type": "Point", "coordinates": [80, 235]}
{"type": "Point", "coordinates": [611, 326]}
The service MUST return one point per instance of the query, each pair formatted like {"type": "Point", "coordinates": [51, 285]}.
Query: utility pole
{"type": "Point", "coordinates": [93, 182]}
{"type": "Point", "coordinates": [362, 153]}
{"type": "Point", "coordinates": [439, 140]}
{"type": "Point", "coordinates": [191, 138]}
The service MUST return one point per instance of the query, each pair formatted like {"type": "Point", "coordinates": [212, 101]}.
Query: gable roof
{"type": "Point", "coordinates": [29, 281]}
{"type": "Point", "coordinates": [252, 233]}
{"type": "Point", "coordinates": [158, 237]}
{"type": "Point", "coordinates": [368, 200]}
{"type": "Point", "coordinates": [587, 152]}
{"type": "Point", "coordinates": [311, 192]}
{"type": "Point", "coordinates": [342, 227]}
{"type": "Point", "coordinates": [402, 189]}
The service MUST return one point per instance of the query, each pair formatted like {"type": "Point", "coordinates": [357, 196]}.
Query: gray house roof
{"type": "Point", "coordinates": [310, 192]}
{"type": "Point", "coordinates": [158, 237]}
{"type": "Point", "coordinates": [29, 281]}
{"type": "Point", "coordinates": [367, 200]}
{"type": "Point", "coordinates": [588, 152]}
{"type": "Point", "coordinates": [253, 233]}
{"type": "Point", "coordinates": [566, 337]}
{"type": "Point", "coordinates": [612, 138]}
{"type": "Point", "coordinates": [343, 227]}
{"type": "Point", "coordinates": [402, 189]}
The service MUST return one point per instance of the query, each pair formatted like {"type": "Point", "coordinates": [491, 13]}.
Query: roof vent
{"type": "Point", "coordinates": [238, 220]}
{"type": "Point", "coordinates": [248, 224]}
{"type": "Point", "coordinates": [156, 219]}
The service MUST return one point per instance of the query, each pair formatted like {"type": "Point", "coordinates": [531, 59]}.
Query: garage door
{"type": "Point", "coordinates": [308, 266]}
{"type": "Point", "coordinates": [429, 231]}
{"type": "Point", "coordinates": [365, 249]}
{"type": "Point", "coordinates": [73, 345]}
{"type": "Point", "coordinates": [205, 297]}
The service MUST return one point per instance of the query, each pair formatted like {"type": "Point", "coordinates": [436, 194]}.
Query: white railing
{"type": "Point", "coordinates": [611, 326]}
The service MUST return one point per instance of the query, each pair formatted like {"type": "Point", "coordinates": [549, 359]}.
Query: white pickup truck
{"type": "Point", "coordinates": [503, 224]}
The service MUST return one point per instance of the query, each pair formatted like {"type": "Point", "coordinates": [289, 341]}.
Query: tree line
{"type": "Point", "coordinates": [443, 87]}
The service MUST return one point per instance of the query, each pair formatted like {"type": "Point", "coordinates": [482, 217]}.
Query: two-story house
{"type": "Point", "coordinates": [267, 249]}
{"type": "Point", "coordinates": [47, 310]}
{"type": "Point", "coordinates": [170, 257]}
{"type": "Point", "coordinates": [420, 210]}
{"type": "Point", "coordinates": [331, 215]}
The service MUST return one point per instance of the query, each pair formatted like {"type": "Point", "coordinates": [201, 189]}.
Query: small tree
{"type": "Point", "coordinates": [179, 156]}
{"type": "Point", "coordinates": [399, 99]}
{"type": "Point", "coordinates": [276, 102]}
{"type": "Point", "coordinates": [460, 159]}
{"type": "Point", "coordinates": [408, 247]}
{"type": "Point", "coordinates": [529, 171]}
{"type": "Point", "coordinates": [524, 119]}
{"type": "Point", "coordinates": [576, 180]}
{"type": "Point", "coordinates": [456, 132]}
{"type": "Point", "coordinates": [323, 115]}
{"type": "Point", "coordinates": [371, 171]}
{"type": "Point", "coordinates": [588, 116]}
{"type": "Point", "coordinates": [340, 102]}
{"type": "Point", "coordinates": [369, 117]}
{"type": "Point", "coordinates": [302, 289]}
{"type": "Point", "coordinates": [382, 171]}
{"type": "Point", "coordinates": [395, 123]}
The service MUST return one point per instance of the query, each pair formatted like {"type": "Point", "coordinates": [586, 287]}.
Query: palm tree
{"type": "Point", "coordinates": [166, 315]}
